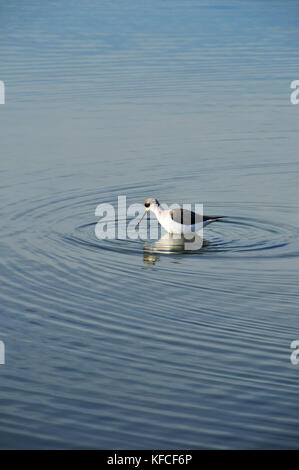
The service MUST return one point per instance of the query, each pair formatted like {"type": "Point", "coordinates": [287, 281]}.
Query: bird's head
{"type": "Point", "coordinates": [150, 203]}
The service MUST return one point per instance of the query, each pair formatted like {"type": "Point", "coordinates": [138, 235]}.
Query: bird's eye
{"type": "Point", "coordinates": [147, 204]}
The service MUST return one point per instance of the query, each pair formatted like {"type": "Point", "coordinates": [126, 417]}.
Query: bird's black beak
{"type": "Point", "coordinates": [146, 210]}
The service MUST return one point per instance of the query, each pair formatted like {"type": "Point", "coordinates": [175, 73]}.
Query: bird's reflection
{"type": "Point", "coordinates": [172, 244]}
{"type": "Point", "coordinates": [149, 258]}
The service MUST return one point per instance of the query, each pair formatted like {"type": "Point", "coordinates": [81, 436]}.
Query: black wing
{"type": "Point", "coordinates": [185, 217]}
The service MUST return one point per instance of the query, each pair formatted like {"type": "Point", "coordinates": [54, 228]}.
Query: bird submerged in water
{"type": "Point", "coordinates": [177, 220]}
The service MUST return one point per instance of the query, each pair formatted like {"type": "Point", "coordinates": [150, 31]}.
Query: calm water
{"type": "Point", "coordinates": [115, 344]}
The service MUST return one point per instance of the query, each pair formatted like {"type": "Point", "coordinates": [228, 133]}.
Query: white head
{"type": "Point", "coordinates": [150, 204]}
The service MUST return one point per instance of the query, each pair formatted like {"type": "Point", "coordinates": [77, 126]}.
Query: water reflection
{"type": "Point", "coordinates": [172, 244]}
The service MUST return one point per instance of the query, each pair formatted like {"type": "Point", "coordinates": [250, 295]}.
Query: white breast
{"type": "Point", "coordinates": [174, 227]}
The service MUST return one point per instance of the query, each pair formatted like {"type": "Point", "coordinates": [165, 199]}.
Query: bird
{"type": "Point", "coordinates": [177, 221]}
